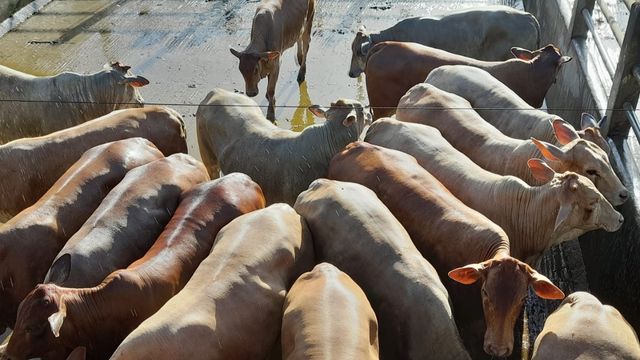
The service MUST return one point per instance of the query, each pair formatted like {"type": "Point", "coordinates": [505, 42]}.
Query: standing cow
{"type": "Point", "coordinates": [43, 104]}
{"type": "Point", "coordinates": [483, 34]}
{"type": "Point", "coordinates": [277, 26]}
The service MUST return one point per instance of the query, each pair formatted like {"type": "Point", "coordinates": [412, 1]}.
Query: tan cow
{"type": "Point", "coordinates": [585, 329]}
{"type": "Point", "coordinates": [31, 240]}
{"type": "Point", "coordinates": [327, 316]}
{"type": "Point", "coordinates": [32, 165]}
{"type": "Point", "coordinates": [504, 109]}
{"type": "Point", "coordinates": [232, 306]}
{"type": "Point", "coordinates": [460, 242]}
{"type": "Point", "coordinates": [233, 135]}
{"type": "Point", "coordinates": [129, 296]}
{"type": "Point", "coordinates": [534, 218]}
{"type": "Point", "coordinates": [488, 147]}
{"type": "Point", "coordinates": [277, 26]}
{"type": "Point", "coordinates": [127, 222]}
{"type": "Point", "coordinates": [486, 33]}
{"type": "Point", "coordinates": [354, 231]}
{"type": "Point", "coordinates": [394, 67]}
{"type": "Point", "coordinates": [40, 105]}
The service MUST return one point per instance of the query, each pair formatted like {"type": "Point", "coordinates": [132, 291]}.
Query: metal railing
{"type": "Point", "coordinates": [625, 75]}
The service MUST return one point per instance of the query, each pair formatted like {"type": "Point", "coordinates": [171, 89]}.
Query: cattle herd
{"type": "Point", "coordinates": [366, 236]}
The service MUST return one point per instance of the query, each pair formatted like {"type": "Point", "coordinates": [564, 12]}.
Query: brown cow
{"type": "Point", "coordinates": [585, 329]}
{"type": "Point", "coordinates": [32, 165]}
{"type": "Point", "coordinates": [353, 230]}
{"type": "Point", "coordinates": [455, 239]}
{"type": "Point", "coordinates": [277, 26]}
{"type": "Point", "coordinates": [504, 109]}
{"type": "Point", "coordinates": [232, 306]}
{"type": "Point", "coordinates": [394, 67]}
{"type": "Point", "coordinates": [534, 217]}
{"type": "Point", "coordinates": [31, 240]}
{"type": "Point", "coordinates": [143, 287]}
{"type": "Point", "coordinates": [327, 316]}
{"type": "Point", "coordinates": [127, 222]}
{"type": "Point", "coordinates": [488, 147]}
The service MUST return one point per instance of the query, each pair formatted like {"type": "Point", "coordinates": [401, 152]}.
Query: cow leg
{"type": "Point", "coordinates": [303, 42]}
{"type": "Point", "coordinates": [271, 90]}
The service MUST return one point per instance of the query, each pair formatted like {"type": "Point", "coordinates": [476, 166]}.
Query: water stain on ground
{"type": "Point", "coordinates": [182, 47]}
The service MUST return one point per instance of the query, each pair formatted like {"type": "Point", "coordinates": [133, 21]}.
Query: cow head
{"type": "Point", "coordinates": [581, 206]}
{"type": "Point", "coordinates": [37, 329]}
{"type": "Point", "coordinates": [359, 48]}
{"type": "Point", "coordinates": [590, 130]}
{"type": "Point", "coordinates": [546, 63]}
{"type": "Point", "coordinates": [585, 158]}
{"type": "Point", "coordinates": [254, 67]}
{"type": "Point", "coordinates": [347, 113]}
{"type": "Point", "coordinates": [123, 86]}
{"type": "Point", "coordinates": [504, 283]}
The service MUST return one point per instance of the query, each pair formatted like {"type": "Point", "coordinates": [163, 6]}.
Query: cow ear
{"type": "Point", "coordinates": [540, 170]}
{"type": "Point", "coordinates": [60, 270]}
{"type": "Point", "coordinates": [587, 120]}
{"type": "Point", "coordinates": [269, 55]}
{"type": "Point", "coordinates": [565, 133]}
{"type": "Point", "coordinates": [362, 29]}
{"type": "Point", "coordinates": [564, 59]}
{"type": "Point", "coordinates": [549, 151]}
{"type": "Point", "coordinates": [135, 81]}
{"type": "Point", "coordinates": [467, 274]}
{"type": "Point", "coordinates": [79, 353]}
{"type": "Point", "coordinates": [522, 54]}
{"type": "Point", "coordinates": [563, 215]}
{"type": "Point", "coordinates": [350, 118]}
{"type": "Point", "coordinates": [235, 52]}
{"type": "Point", "coordinates": [543, 287]}
{"type": "Point", "coordinates": [603, 122]}
{"type": "Point", "coordinates": [318, 111]}
{"type": "Point", "coordinates": [57, 319]}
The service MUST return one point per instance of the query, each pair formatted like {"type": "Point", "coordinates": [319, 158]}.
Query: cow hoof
{"type": "Point", "coordinates": [301, 77]}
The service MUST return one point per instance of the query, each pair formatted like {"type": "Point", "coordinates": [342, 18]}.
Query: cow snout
{"type": "Point", "coordinates": [352, 75]}
{"type": "Point", "coordinates": [624, 195]}
{"type": "Point", "coordinates": [252, 92]}
{"type": "Point", "coordinates": [497, 350]}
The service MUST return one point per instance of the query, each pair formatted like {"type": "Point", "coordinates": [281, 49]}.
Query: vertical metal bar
{"type": "Point", "coordinates": [625, 87]}
{"type": "Point", "coordinates": [599, 45]}
{"type": "Point", "coordinates": [577, 26]}
{"type": "Point", "coordinates": [630, 112]}
{"type": "Point", "coordinates": [611, 20]}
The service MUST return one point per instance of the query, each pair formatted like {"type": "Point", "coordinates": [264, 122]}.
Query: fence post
{"type": "Point", "coordinates": [625, 88]}
{"type": "Point", "coordinates": [577, 26]}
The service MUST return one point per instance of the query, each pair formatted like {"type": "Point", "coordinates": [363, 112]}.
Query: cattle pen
{"type": "Point", "coordinates": [182, 46]}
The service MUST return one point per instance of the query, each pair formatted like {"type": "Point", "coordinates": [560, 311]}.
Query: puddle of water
{"type": "Point", "coordinates": [182, 47]}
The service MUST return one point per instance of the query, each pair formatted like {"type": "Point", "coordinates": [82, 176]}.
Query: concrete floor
{"type": "Point", "coordinates": [182, 47]}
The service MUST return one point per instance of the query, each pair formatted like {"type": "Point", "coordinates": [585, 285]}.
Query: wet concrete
{"type": "Point", "coordinates": [182, 46]}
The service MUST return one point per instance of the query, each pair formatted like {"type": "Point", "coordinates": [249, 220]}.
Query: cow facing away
{"type": "Point", "coordinates": [458, 241]}
{"type": "Point", "coordinates": [127, 222]}
{"type": "Point", "coordinates": [43, 104]}
{"type": "Point", "coordinates": [504, 109]}
{"type": "Point", "coordinates": [488, 147]}
{"type": "Point", "coordinates": [31, 240]}
{"type": "Point", "coordinates": [394, 67]}
{"type": "Point", "coordinates": [32, 165]}
{"type": "Point", "coordinates": [277, 26]}
{"type": "Point", "coordinates": [534, 217]}
{"type": "Point", "coordinates": [232, 306]}
{"type": "Point", "coordinates": [353, 230]}
{"type": "Point", "coordinates": [583, 328]}
{"type": "Point", "coordinates": [483, 34]}
{"type": "Point", "coordinates": [233, 135]}
{"type": "Point", "coordinates": [327, 316]}
{"type": "Point", "coordinates": [145, 285]}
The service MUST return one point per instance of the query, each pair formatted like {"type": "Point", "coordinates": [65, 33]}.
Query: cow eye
{"type": "Point", "coordinates": [593, 173]}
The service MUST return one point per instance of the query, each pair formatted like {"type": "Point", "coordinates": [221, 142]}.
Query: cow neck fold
{"type": "Point", "coordinates": [528, 215]}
